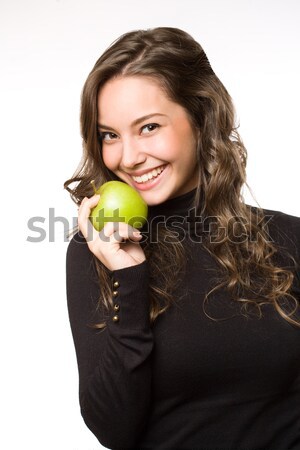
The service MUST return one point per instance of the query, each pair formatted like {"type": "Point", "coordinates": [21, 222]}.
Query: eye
{"type": "Point", "coordinates": [107, 136]}
{"type": "Point", "coordinates": [149, 127]}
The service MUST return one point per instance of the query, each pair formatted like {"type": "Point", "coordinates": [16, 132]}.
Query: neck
{"type": "Point", "coordinates": [178, 213]}
{"type": "Point", "coordinates": [178, 206]}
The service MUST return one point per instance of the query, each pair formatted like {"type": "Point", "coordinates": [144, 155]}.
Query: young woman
{"type": "Point", "coordinates": [187, 334]}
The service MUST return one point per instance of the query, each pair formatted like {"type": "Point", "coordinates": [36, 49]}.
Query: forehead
{"type": "Point", "coordinates": [126, 95]}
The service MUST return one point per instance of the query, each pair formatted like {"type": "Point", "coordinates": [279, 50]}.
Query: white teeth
{"type": "Point", "coordinates": [148, 176]}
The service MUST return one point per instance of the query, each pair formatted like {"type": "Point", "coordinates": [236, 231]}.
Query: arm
{"type": "Point", "coordinates": [115, 364]}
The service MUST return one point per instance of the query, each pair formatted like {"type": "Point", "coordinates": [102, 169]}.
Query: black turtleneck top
{"type": "Point", "coordinates": [187, 381]}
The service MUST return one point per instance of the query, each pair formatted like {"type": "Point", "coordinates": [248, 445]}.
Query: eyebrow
{"type": "Point", "coordinates": [135, 122]}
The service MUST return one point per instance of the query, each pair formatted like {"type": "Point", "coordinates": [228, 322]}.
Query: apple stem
{"type": "Point", "coordinates": [94, 186]}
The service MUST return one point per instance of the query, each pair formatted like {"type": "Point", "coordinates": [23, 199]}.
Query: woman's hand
{"type": "Point", "coordinates": [110, 245]}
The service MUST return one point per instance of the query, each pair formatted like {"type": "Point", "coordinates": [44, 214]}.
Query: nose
{"type": "Point", "coordinates": [132, 153]}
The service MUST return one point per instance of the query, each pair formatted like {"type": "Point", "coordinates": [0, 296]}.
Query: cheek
{"type": "Point", "coordinates": [110, 158]}
{"type": "Point", "coordinates": [166, 147]}
{"type": "Point", "coordinates": [179, 145]}
{"type": "Point", "coordinates": [186, 136]}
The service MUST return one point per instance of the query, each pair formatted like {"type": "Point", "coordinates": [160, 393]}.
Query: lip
{"type": "Point", "coordinates": [139, 173]}
{"type": "Point", "coordinates": [151, 183]}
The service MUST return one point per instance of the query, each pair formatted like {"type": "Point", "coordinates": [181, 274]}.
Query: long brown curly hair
{"type": "Point", "coordinates": [173, 59]}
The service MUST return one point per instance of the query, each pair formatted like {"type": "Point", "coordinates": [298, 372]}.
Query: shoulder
{"type": "Point", "coordinates": [283, 228]}
{"type": "Point", "coordinates": [286, 224]}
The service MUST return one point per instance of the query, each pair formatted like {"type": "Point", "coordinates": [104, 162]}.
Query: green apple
{"type": "Point", "coordinates": [118, 202]}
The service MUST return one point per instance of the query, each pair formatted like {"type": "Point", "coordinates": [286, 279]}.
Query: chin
{"type": "Point", "coordinates": [155, 197]}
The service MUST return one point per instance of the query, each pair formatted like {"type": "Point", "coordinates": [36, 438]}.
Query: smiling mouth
{"type": "Point", "coordinates": [150, 175]}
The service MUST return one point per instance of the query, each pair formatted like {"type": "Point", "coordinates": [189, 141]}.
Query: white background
{"type": "Point", "coordinates": [47, 49]}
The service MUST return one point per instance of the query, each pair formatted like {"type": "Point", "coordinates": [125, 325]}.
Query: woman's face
{"type": "Point", "coordinates": [147, 140]}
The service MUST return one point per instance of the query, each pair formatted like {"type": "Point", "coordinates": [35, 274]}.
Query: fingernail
{"type": "Point", "coordinates": [137, 234]}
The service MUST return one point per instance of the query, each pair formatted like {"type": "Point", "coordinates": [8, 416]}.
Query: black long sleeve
{"type": "Point", "coordinates": [187, 382]}
{"type": "Point", "coordinates": [114, 364]}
